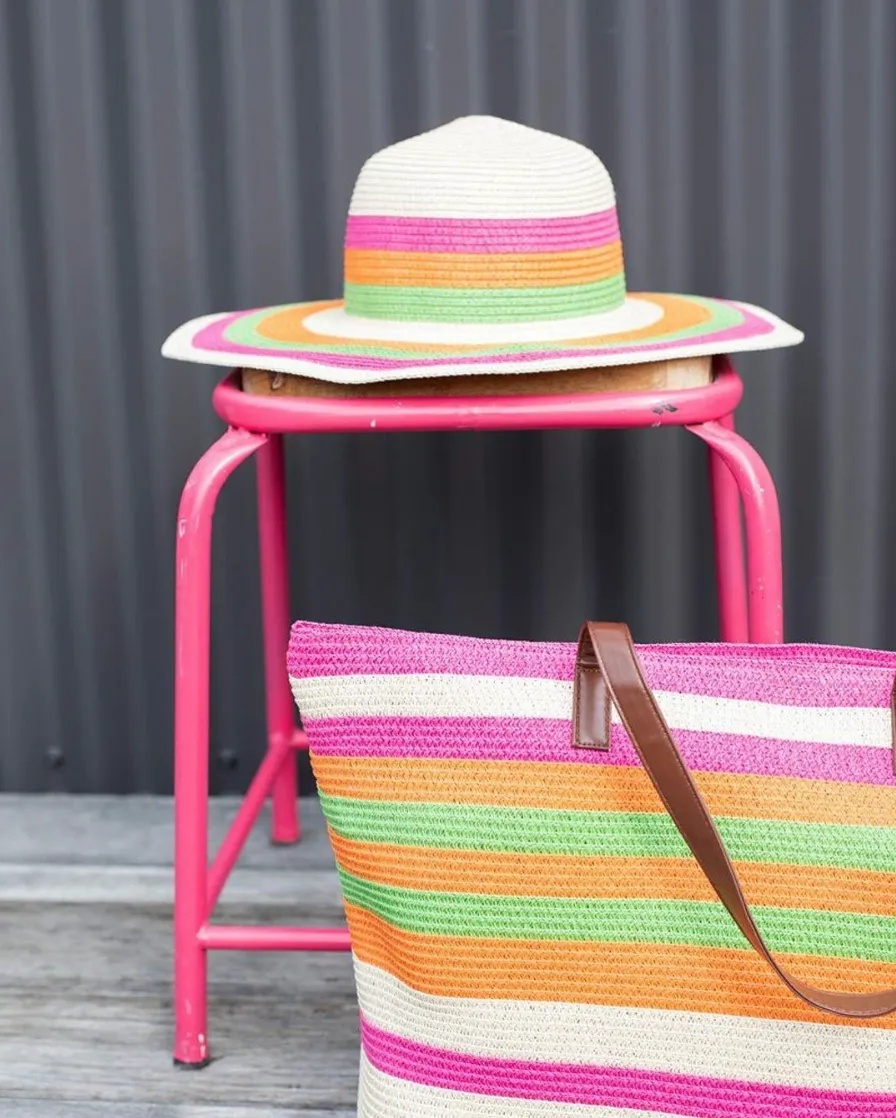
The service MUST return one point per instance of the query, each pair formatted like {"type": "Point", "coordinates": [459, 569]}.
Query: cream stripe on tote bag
{"type": "Point", "coordinates": [597, 883]}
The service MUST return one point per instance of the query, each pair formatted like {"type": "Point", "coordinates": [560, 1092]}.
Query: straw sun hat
{"type": "Point", "coordinates": [482, 246]}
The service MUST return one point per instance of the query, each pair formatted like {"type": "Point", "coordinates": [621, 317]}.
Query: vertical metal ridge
{"type": "Point", "coordinates": [70, 271]}
{"type": "Point", "coordinates": [29, 650]}
{"type": "Point", "coordinates": [880, 232]}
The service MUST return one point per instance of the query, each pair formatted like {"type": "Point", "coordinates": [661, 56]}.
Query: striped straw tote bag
{"type": "Point", "coordinates": [593, 882]}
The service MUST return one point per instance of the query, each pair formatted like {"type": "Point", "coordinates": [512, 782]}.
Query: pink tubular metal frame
{"type": "Point", "coordinates": [750, 609]}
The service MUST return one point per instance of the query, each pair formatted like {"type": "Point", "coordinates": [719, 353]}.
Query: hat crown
{"type": "Point", "coordinates": [483, 219]}
{"type": "Point", "coordinates": [485, 167]}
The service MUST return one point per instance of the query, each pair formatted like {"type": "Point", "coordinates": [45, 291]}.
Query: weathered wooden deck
{"type": "Point", "coordinates": [85, 972]}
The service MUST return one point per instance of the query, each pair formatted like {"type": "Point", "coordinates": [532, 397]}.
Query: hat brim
{"type": "Point", "coordinates": [320, 340]}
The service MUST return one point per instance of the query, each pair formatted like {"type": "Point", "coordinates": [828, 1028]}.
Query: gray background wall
{"type": "Point", "coordinates": [161, 159]}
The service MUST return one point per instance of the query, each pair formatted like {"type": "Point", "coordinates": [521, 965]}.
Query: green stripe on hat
{"type": "Point", "coordinates": [461, 304]}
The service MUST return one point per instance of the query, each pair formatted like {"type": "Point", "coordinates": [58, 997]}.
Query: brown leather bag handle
{"type": "Point", "coordinates": [607, 668]}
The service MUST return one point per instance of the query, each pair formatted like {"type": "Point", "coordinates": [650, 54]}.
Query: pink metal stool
{"type": "Point", "coordinates": [749, 605]}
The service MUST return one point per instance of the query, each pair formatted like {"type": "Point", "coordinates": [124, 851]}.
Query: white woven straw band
{"type": "Point", "coordinates": [394, 695]}
{"type": "Point", "coordinates": [632, 315]}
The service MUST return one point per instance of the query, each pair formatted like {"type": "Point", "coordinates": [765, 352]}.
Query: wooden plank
{"type": "Point", "coordinates": [313, 895]}
{"type": "Point", "coordinates": [139, 831]}
{"type": "Point", "coordinates": [85, 1016]}
{"type": "Point", "coordinates": [686, 372]}
{"type": "Point", "coordinates": [85, 972]}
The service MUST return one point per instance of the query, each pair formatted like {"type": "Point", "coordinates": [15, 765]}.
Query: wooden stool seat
{"type": "Point", "coordinates": [687, 372]}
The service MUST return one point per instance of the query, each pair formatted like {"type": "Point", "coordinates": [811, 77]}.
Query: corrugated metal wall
{"type": "Point", "coordinates": [160, 159]}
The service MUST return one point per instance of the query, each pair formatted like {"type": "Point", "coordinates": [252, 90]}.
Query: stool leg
{"type": "Point", "coordinates": [281, 725]}
{"type": "Point", "coordinates": [191, 722]}
{"type": "Point", "coordinates": [729, 548]}
{"type": "Point", "coordinates": [763, 525]}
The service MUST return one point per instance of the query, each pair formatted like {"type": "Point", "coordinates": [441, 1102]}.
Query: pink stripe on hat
{"type": "Point", "coordinates": [485, 235]}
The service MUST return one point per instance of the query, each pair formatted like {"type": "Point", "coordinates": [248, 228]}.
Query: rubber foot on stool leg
{"type": "Point", "coordinates": [190, 1065]}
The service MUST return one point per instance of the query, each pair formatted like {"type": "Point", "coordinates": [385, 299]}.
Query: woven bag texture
{"type": "Point", "coordinates": [531, 935]}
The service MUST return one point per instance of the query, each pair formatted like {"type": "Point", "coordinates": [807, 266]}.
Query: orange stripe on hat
{"type": "Point", "coordinates": [445, 269]}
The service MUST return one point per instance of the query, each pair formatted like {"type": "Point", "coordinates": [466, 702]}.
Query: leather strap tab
{"type": "Point", "coordinates": [609, 648]}
{"type": "Point", "coordinates": [591, 705]}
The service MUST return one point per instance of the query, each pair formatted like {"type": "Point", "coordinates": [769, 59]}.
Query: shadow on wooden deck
{"type": "Point", "coordinates": [85, 971]}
